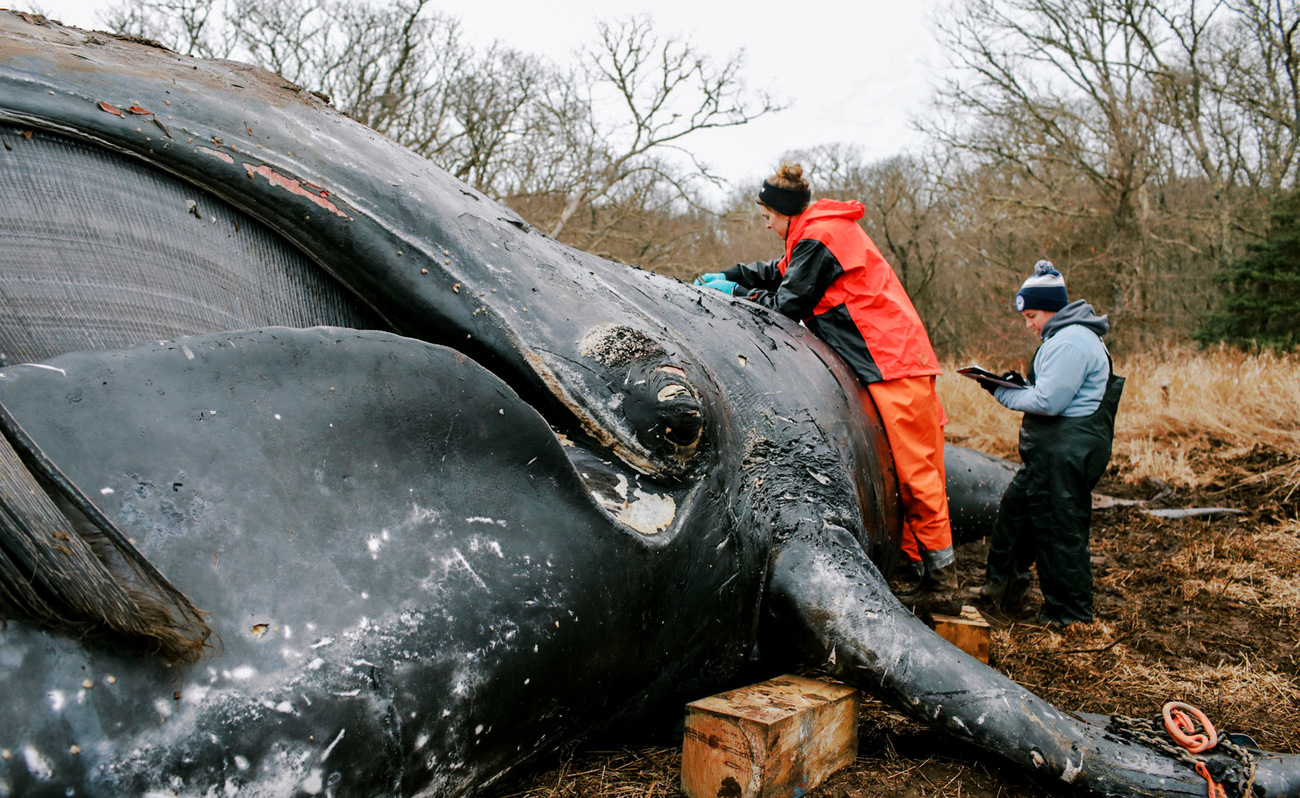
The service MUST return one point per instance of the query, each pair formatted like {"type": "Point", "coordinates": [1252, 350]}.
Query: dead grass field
{"type": "Point", "coordinates": [1203, 610]}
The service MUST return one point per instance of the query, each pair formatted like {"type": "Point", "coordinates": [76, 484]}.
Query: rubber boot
{"type": "Point", "coordinates": [907, 577]}
{"type": "Point", "coordinates": [1013, 600]}
{"type": "Point", "coordinates": [936, 593]}
{"type": "Point", "coordinates": [993, 592]}
{"type": "Point", "coordinates": [1005, 596]}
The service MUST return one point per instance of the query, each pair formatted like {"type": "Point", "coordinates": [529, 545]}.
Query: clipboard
{"type": "Point", "coordinates": [980, 375]}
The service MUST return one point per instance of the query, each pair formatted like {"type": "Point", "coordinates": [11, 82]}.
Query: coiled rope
{"type": "Point", "coordinates": [1184, 732]}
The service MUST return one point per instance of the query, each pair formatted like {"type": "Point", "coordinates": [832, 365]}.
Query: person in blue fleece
{"type": "Point", "coordinates": [1069, 403]}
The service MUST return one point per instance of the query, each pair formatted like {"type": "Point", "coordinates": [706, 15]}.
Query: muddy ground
{"type": "Point", "coordinates": [1204, 610]}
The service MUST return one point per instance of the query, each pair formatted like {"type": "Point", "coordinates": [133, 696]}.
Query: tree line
{"type": "Point", "coordinates": [1150, 148]}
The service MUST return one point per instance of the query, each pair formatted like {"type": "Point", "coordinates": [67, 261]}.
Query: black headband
{"type": "Point", "coordinates": [789, 201]}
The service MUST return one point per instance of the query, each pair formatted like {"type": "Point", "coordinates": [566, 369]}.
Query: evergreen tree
{"type": "Point", "coordinates": [1262, 303]}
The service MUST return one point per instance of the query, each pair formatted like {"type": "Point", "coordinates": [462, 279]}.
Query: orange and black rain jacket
{"type": "Point", "coordinates": [834, 279]}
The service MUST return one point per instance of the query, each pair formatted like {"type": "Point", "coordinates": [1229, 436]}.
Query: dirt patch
{"type": "Point", "coordinates": [1204, 610]}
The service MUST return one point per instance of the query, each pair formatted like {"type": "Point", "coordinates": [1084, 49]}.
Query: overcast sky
{"type": "Point", "coordinates": [851, 71]}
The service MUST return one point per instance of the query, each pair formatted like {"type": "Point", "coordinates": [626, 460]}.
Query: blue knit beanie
{"type": "Point", "coordinates": [1044, 291]}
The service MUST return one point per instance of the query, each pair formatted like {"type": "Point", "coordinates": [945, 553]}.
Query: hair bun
{"type": "Point", "coordinates": [1045, 267]}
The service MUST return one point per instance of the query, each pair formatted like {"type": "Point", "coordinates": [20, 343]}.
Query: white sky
{"type": "Point", "coordinates": [851, 71]}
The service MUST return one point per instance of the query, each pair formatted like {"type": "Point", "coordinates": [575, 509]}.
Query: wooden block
{"type": "Point", "coordinates": [970, 632]}
{"type": "Point", "coordinates": [781, 737]}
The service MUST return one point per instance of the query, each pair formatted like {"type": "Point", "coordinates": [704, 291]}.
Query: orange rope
{"type": "Point", "coordinates": [1213, 789]}
{"type": "Point", "coordinates": [1183, 729]}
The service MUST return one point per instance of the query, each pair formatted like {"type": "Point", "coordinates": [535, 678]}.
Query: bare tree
{"type": "Point", "coordinates": [495, 105]}
{"type": "Point", "coordinates": [1261, 77]}
{"type": "Point", "coordinates": [1058, 82]}
{"type": "Point", "coordinates": [388, 66]}
{"type": "Point", "coordinates": [638, 95]}
{"type": "Point", "coordinates": [398, 67]}
{"type": "Point", "coordinates": [901, 204]}
{"type": "Point", "coordinates": [1064, 106]}
{"type": "Point", "coordinates": [193, 27]}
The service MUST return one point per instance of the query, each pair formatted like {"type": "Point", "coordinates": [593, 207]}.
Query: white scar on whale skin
{"type": "Point", "coordinates": [47, 368]}
{"type": "Point", "coordinates": [647, 513]}
{"type": "Point", "coordinates": [470, 569]}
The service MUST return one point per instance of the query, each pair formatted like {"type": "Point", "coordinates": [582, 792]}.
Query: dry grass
{"type": "Point", "coordinates": [1260, 570]}
{"type": "Point", "coordinates": [645, 772]}
{"type": "Point", "coordinates": [1178, 408]}
{"type": "Point", "coordinates": [1089, 671]}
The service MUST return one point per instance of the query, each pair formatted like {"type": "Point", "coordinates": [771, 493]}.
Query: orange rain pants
{"type": "Point", "coordinates": [913, 421]}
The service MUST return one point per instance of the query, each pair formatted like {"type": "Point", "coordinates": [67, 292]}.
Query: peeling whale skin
{"type": "Point", "coordinates": [453, 495]}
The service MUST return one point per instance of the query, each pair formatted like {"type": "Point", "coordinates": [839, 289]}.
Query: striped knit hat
{"type": "Point", "coordinates": [1044, 291]}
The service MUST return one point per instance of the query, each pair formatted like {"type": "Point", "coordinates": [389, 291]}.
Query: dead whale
{"type": "Point", "coordinates": [446, 493]}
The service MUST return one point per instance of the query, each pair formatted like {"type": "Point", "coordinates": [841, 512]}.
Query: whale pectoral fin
{"type": "Point", "coordinates": [831, 602]}
{"type": "Point", "coordinates": [64, 566]}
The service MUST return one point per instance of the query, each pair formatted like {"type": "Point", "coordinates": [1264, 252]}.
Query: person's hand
{"type": "Point", "coordinates": [709, 277]}
{"type": "Point", "coordinates": [1014, 376]}
{"type": "Point", "coordinates": [725, 286]}
{"type": "Point", "coordinates": [989, 386]}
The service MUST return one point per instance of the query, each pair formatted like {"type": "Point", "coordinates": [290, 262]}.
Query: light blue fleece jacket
{"type": "Point", "coordinates": [1071, 368]}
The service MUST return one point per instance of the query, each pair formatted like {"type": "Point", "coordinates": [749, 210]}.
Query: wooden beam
{"type": "Point", "coordinates": [970, 632]}
{"type": "Point", "coordinates": [781, 737]}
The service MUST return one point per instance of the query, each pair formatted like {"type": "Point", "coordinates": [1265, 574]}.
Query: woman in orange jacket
{"type": "Point", "coordinates": [834, 279]}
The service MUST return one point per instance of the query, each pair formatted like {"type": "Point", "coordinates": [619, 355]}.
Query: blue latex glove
{"type": "Point", "coordinates": [725, 286]}
{"type": "Point", "coordinates": [709, 277]}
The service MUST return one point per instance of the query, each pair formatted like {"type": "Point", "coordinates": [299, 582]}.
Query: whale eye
{"type": "Point", "coordinates": [679, 408]}
{"type": "Point", "coordinates": [656, 398]}
{"type": "Point", "coordinates": [663, 409]}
